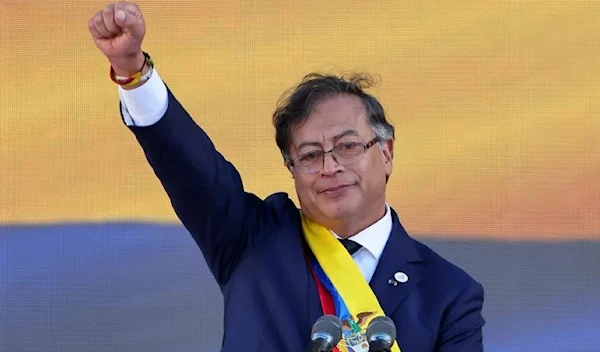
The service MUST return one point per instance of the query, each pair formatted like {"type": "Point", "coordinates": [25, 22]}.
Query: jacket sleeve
{"type": "Point", "coordinates": [205, 190]}
{"type": "Point", "coordinates": [461, 329]}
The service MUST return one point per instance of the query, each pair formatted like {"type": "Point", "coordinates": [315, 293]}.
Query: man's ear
{"type": "Point", "coordinates": [287, 166]}
{"type": "Point", "coordinates": [388, 151]}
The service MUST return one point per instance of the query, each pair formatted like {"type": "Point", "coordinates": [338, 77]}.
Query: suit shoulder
{"type": "Point", "coordinates": [280, 201]}
{"type": "Point", "coordinates": [282, 207]}
{"type": "Point", "coordinates": [279, 198]}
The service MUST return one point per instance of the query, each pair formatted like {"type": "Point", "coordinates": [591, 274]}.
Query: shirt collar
{"type": "Point", "coordinates": [374, 237]}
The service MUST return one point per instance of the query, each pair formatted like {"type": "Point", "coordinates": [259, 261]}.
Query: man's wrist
{"type": "Point", "coordinates": [128, 65]}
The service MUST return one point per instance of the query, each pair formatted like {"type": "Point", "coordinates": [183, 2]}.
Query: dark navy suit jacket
{"type": "Point", "coordinates": [254, 249]}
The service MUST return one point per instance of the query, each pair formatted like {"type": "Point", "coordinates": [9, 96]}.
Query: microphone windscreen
{"type": "Point", "coordinates": [328, 324]}
{"type": "Point", "coordinates": [381, 326]}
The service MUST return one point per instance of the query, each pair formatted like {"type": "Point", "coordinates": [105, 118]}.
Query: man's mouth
{"type": "Point", "coordinates": [334, 190]}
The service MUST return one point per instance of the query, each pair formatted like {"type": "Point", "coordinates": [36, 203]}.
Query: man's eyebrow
{"type": "Point", "coordinates": [344, 134]}
{"type": "Point", "coordinates": [335, 138]}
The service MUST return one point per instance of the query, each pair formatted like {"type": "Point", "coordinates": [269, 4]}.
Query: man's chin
{"type": "Point", "coordinates": [336, 210]}
{"type": "Point", "coordinates": [330, 211]}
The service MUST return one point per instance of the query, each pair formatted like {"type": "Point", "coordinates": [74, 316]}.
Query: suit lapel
{"type": "Point", "coordinates": [397, 271]}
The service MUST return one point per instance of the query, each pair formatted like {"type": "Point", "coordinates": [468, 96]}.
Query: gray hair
{"type": "Point", "coordinates": [296, 105]}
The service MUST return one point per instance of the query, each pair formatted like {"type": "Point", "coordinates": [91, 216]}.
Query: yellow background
{"type": "Point", "coordinates": [495, 104]}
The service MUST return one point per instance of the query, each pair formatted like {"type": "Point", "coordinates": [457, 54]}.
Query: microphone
{"type": "Point", "coordinates": [325, 334]}
{"type": "Point", "coordinates": [381, 334]}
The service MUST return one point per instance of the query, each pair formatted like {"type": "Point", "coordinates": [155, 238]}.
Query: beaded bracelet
{"type": "Point", "coordinates": [136, 77]}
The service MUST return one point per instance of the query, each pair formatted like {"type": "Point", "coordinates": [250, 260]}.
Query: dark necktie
{"type": "Point", "coordinates": [350, 245]}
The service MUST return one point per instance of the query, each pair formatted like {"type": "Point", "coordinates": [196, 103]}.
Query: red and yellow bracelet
{"type": "Point", "coordinates": [137, 77]}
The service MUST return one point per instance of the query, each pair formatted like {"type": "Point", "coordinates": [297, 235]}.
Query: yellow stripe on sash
{"type": "Point", "coordinates": [344, 274]}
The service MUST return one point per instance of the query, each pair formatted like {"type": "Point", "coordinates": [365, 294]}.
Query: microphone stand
{"type": "Point", "coordinates": [378, 346]}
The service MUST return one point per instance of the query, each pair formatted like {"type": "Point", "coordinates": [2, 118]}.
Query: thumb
{"type": "Point", "coordinates": [121, 18]}
{"type": "Point", "coordinates": [130, 21]}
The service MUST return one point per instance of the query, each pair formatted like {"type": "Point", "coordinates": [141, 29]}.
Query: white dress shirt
{"type": "Point", "coordinates": [373, 240]}
{"type": "Point", "coordinates": [146, 105]}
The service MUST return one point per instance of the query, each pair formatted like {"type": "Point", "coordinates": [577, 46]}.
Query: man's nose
{"type": "Point", "coordinates": [330, 164]}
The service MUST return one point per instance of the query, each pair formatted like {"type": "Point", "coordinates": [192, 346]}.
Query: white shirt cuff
{"type": "Point", "coordinates": [146, 104]}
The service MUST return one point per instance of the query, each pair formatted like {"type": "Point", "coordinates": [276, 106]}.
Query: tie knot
{"type": "Point", "coordinates": [350, 245]}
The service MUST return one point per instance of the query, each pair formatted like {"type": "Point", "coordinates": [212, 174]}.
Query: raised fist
{"type": "Point", "coordinates": [118, 31]}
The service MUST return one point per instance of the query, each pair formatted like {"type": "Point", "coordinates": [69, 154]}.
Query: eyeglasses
{"type": "Point", "coordinates": [343, 154]}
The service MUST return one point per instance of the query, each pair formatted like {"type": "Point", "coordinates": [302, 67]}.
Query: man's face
{"type": "Point", "coordinates": [337, 193]}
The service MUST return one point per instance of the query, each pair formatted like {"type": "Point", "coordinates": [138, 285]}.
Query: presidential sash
{"type": "Point", "coordinates": [338, 276]}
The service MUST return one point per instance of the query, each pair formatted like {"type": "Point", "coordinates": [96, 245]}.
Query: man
{"type": "Point", "coordinates": [279, 268]}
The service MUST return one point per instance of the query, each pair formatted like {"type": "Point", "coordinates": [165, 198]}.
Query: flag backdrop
{"type": "Point", "coordinates": [497, 158]}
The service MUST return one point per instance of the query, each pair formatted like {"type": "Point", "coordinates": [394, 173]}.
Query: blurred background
{"type": "Point", "coordinates": [497, 158]}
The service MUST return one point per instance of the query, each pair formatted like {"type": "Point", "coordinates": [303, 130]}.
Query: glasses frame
{"type": "Point", "coordinates": [366, 146]}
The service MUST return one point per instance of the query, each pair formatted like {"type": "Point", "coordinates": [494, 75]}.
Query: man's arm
{"type": "Point", "coordinates": [461, 329]}
{"type": "Point", "coordinates": [206, 190]}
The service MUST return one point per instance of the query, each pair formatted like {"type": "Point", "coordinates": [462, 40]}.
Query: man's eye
{"type": "Point", "coordinates": [350, 146]}
{"type": "Point", "coordinates": [310, 156]}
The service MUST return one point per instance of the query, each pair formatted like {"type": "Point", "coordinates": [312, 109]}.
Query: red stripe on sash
{"type": "Point", "coordinates": [324, 296]}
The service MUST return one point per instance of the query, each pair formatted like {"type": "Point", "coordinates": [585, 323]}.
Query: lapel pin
{"type": "Point", "coordinates": [401, 277]}
{"type": "Point", "coordinates": [393, 282]}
